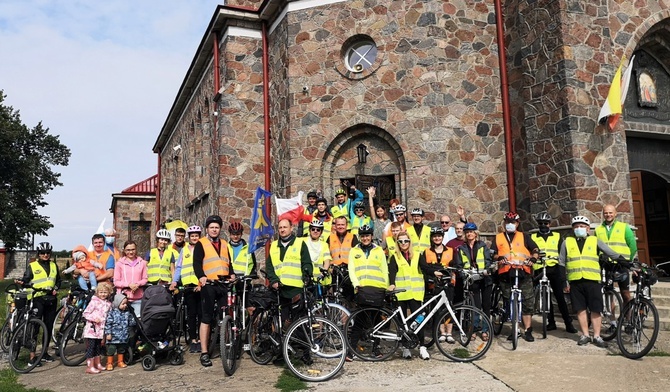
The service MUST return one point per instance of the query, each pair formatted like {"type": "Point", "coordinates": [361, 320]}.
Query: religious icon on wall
{"type": "Point", "coordinates": [646, 86]}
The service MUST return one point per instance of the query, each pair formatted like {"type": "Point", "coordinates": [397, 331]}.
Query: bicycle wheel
{"type": "Point", "coordinates": [6, 332]}
{"type": "Point", "coordinates": [335, 313]}
{"type": "Point", "coordinates": [72, 344]}
{"type": "Point", "coordinates": [62, 315]}
{"type": "Point", "coordinates": [612, 305]}
{"type": "Point", "coordinates": [260, 337]}
{"type": "Point", "coordinates": [498, 311]}
{"type": "Point", "coordinates": [515, 305]}
{"type": "Point", "coordinates": [214, 336]}
{"type": "Point", "coordinates": [314, 349]}
{"type": "Point", "coordinates": [372, 334]}
{"type": "Point", "coordinates": [470, 321]}
{"type": "Point", "coordinates": [228, 345]}
{"type": "Point", "coordinates": [638, 328]}
{"type": "Point", "coordinates": [28, 344]}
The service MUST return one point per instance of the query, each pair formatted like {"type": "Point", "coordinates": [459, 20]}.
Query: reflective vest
{"type": "Point", "coordinates": [339, 251]}
{"type": "Point", "coordinates": [584, 264]}
{"type": "Point", "coordinates": [550, 247]}
{"type": "Point", "coordinates": [409, 278]}
{"type": "Point", "coordinates": [337, 211]}
{"type": "Point", "coordinates": [447, 256]}
{"type": "Point", "coordinates": [214, 264]}
{"type": "Point", "coordinates": [390, 245]}
{"type": "Point", "coordinates": [420, 241]}
{"type": "Point", "coordinates": [358, 221]}
{"type": "Point", "coordinates": [318, 259]}
{"type": "Point", "coordinates": [102, 258]}
{"type": "Point", "coordinates": [515, 252]}
{"type": "Point", "coordinates": [479, 259]}
{"type": "Point", "coordinates": [288, 270]}
{"type": "Point", "coordinates": [242, 263]}
{"type": "Point", "coordinates": [187, 272]}
{"type": "Point", "coordinates": [40, 278]}
{"type": "Point", "coordinates": [158, 267]}
{"type": "Point", "coordinates": [616, 239]}
{"type": "Point", "coordinates": [368, 270]}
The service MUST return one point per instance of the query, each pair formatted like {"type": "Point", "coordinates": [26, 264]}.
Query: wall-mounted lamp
{"type": "Point", "coordinates": [363, 153]}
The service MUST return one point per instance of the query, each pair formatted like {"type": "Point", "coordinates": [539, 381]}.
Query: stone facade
{"type": "Point", "coordinates": [428, 107]}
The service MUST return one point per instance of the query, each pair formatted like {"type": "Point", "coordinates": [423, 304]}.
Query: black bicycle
{"type": "Point", "coordinates": [30, 339]}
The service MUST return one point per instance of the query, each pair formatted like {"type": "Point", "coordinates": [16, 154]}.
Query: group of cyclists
{"type": "Point", "coordinates": [379, 251]}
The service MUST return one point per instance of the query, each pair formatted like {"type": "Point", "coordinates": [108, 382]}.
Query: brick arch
{"type": "Point", "coordinates": [643, 28]}
{"type": "Point", "coordinates": [342, 149]}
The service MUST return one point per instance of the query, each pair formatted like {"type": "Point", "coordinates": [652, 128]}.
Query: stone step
{"type": "Point", "coordinates": [664, 324]}
{"type": "Point", "coordinates": [663, 312]}
{"type": "Point", "coordinates": [660, 300]}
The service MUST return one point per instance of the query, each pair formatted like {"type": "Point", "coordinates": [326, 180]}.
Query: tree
{"type": "Point", "coordinates": [27, 157]}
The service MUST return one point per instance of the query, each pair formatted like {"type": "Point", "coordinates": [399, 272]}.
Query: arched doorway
{"type": "Point", "coordinates": [651, 207]}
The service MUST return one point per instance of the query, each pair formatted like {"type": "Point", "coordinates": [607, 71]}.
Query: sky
{"type": "Point", "coordinates": [102, 76]}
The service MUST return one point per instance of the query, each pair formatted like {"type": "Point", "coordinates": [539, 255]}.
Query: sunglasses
{"type": "Point", "coordinates": [445, 222]}
{"type": "Point", "coordinates": [403, 241]}
{"type": "Point", "coordinates": [315, 229]}
{"type": "Point", "coordinates": [43, 252]}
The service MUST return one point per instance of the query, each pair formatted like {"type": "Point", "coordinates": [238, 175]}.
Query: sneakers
{"type": "Point", "coordinates": [583, 340]}
{"type": "Point", "coordinates": [551, 327]}
{"type": "Point", "coordinates": [569, 328]}
{"type": "Point", "coordinates": [47, 358]}
{"type": "Point", "coordinates": [528, 336]}
{"type": "Point", "coordinates": [32, 362]}
{"type": "Point", "coordinates": [194, 348]}
{"type": "Point", "coordinates": [442, 338]}
{"type": "Point", "coordinates": [511, 337]}
{"type": "Point", "coordinates": [205, 360]}
{"type": "Point", "coordinates": [450, 339]}
{"type": "Point", "coordinates": [349, 358]}
{"type": "Point", "coordinates": [406, 354]}
{"type": "Point", "coordinates": [423, 353]}
{"type": "Point", "coordinates": [599, 342]}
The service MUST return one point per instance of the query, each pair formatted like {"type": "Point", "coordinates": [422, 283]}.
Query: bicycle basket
{"type": "Point", "coordinates": [261, 297]}
{"type": "Point", "coordinates": [20, 300]}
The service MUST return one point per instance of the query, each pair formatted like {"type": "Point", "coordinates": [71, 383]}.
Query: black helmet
{"type": "Point", "coordinates": [359, 205]}
{"type": "Point", "coordinates": [322, 200]}
{"type": "Point", "coordinates": [365, 229]}
{"type": "Point", "coordinates": [213, 219]}
{"type": "Point", "coordinates": [44, 247]}
{"type": "Point", "coordinates": [436, 231]}
{"type": "Point", "coordinates": [311, 194]}
{"type": "Point", "coordinates": [543, 217]}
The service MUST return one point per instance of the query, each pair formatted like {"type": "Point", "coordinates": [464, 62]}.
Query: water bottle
{"type": "Point", "coordinates": [417, 321]}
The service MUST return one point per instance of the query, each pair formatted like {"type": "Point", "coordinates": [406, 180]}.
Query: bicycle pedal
{"type": "Point", "coordinates": [246, 347]}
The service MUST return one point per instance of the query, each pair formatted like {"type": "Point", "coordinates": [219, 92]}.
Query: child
{"type": "Point", "coordinates": [81, 261]}
{"type": "Point", "coordinates": [117, 330]}
{"type": "Point", "coordinates": [95, 315]}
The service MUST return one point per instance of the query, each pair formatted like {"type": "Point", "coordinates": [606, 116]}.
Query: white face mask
{"type": "Point", "coordinates": [580, 232]}
{"type": "Point", "coordinates": [510, 227]}
{"type": "Point", "coordinates": [109, 240]}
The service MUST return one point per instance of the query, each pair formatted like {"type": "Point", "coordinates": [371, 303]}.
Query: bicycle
{"type": "Point", "coordinates": [233, 326]}
{"type": "Point", "coordinates": [498, 308]}
{"type": "Point", "coordinates": [71, 343]}
{"type": "Point", "coordinates": [179, 323]}
{"type": "Point", "coordinates": [14, 314]}
{"type": "Point", "coordinates": [30, 339]}
{"type": "Point", "coordinates": [639, 320]}
{"type": "Point", "coordinates": [327, 305]}
{"type": "Point", "coordinates": [375, 333]}
{"type": "Point", "coordinates": [515, 301]}
{"type": "Point", "coordinates": [72, 307]}
{"type": "Point", "coordinates": [612, 305]}
{"type": "Point", "coordinates": [543, 293]}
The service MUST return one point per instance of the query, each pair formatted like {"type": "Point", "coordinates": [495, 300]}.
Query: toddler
{"type": "Point", "coordinates": [117, 330]}
{"type": "Point", "coordinates": [96, 315]}
{"type": "Point", "coordinates": [82, 262]}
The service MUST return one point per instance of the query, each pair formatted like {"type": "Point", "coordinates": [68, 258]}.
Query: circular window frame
{"type": "Point", "coordinates": [350, 45]}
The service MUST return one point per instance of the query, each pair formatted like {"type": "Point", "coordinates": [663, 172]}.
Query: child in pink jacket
{"type": "Point", "coordinates": [95, 315]}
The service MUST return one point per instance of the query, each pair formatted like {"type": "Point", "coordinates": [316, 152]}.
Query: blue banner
{"type": "Point", "coordinates": [261, 227]}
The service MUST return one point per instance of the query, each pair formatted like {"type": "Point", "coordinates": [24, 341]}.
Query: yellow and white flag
{"type": "Point", "coordinates": [613, 106]}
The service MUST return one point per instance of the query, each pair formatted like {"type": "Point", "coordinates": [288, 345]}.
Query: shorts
{"type": "Point", "coordinates": [209, 295]}
{"type": "Point", "coordinates": [623, 280]}
{"type": "Point", "coordinates": [586, 294]}
{"type": "Point", "coordinates": [527, 292]}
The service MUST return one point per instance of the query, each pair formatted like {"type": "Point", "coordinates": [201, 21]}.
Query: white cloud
{"type": "Point", "coordinates": [103, 76]}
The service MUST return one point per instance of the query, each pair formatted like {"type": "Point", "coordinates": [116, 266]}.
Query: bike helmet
{"type": "Point", "coordinates": [469, 227]}
{"type": "Point", "coordinates": [359, 206]}
{"type": "Point", "coordinates": [316, 223]}
{"type": "Point", "coordinates": [365, 230]}
{"type": "Point", "coordinates": [213, 219]}
{"type": "Point", "coordinates": [436, 231]}
{"type": "Point", "coordinates": [543, 217]}
{"type": "Point", "coordinates": [163, 233]}
{"type": "Point", "coordinates": [512, 216]}
{"type": "Point", "coordinates": [340, 192]}
{"type": "Point", "coordinates": [194, 229]}
{"type": "Point", "coordinates": [312, 194]}
{"type": "Point", "coordinates": [399, 208]}
{"type": "Point", "coordinates": [235, 228]}
{"type": "Point", "coordinates": [322, 200]}
{"type": "Point", "coordinates": [581, 219]}
{"type": "Point", "coordinates": [417, 211]}
{"type": "Point", "coordinates": [44, 247]}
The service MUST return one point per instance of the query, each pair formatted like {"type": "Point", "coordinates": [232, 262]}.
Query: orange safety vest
{"type": "Point", "coordinates": [447, 256]}
{"type": "Point", "coordinates": [515, 251]}
{"type": "Point", "coordinates": [339, 251]}
{"type": "Point", "coordinates": [214, 264]}
{"type": "Point", "coordinates": [102, 259]}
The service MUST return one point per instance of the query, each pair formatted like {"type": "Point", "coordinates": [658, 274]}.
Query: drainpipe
{"type": "Point", "coordinates": [266, 111]}
{"type": "Point", "coordinates": [158, 193]}
{"type": "Point", "coordinates": [507, 121]}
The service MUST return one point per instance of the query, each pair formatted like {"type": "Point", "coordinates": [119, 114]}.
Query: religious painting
{"type": "Point", "coordinates": [646, 86]}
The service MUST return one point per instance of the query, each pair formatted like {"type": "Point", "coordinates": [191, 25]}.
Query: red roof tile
{"type": "Point", "coordinates": [146, 187]}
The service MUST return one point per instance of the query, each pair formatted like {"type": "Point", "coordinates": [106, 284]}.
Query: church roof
{"type": "Point", "coordinates": [145, 187]}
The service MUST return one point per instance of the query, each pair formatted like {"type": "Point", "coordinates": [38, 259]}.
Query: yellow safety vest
{"type": "Point", "coordinates": [390, 245]}
{"type": "Point", "coordinates": [616, 239]}
{"type": "Point", "coordinates": [158, 267]}
{"type": "Point", "coordinates": [214, 264]}
{"type": "Point", "coordinates": [40, 278]}
{"type": "Point", "coordinates": [584, 264]}
{"type": "Point", "coordinates": [409, 278]}
{"type": "Point", "coordinates": [479, 259]}
{"type": "Point", "coordinates": [243, 263]}
{"type": "Point", "coordinates": [550, 247]}
{"type": "Point", "coordinates": [337, 211]}
{"type": "Point", "coordinates": [357, 222]}
{"type": "Point", "coordinates": [187, 272]}
{"type": "Point", "coordinates": [368, 269]}
{"type": "Point", "coordinates": [420, 241]}
{"type": "Point", "coordinates": [288, 270]}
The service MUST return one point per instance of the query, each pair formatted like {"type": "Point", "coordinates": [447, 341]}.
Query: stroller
{"type": "Point", "coordinates": [154, 329]}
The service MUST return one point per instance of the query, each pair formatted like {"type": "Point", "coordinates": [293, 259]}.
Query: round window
{"type": "Point", "coordinates": [360, 55]}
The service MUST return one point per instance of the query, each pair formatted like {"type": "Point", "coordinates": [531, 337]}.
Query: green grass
{"type": "Point", "coordinates": [287, 382]}
{"type": "Point", "coordinates": [9, 383]}
{"type": "Point", "coordinates": [658, 353]}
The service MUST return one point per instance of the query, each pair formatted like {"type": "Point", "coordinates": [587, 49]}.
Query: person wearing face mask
{"type": "Point", "coordinates": [579, 255]}
{"type": "Point", "coordinates": [514, 250]}
{"type": "Point", "coordinates": [550, 242]}
{"type": "Point", "coordinates": [110, 238]}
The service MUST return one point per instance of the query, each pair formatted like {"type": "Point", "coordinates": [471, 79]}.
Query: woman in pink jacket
{"type": "Point", "coordinates": [130, 274]}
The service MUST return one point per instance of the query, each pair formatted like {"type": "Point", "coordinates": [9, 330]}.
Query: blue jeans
{"type": "Point", "coordinates": [91, 278]}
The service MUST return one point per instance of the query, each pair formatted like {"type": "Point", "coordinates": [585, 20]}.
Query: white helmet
{"type": "Point", "coordinates": [581, 219]}
{"type": "Point", "coordinates": [163, 233]}
{"type": "Point", "coordinates": [316, 223]}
